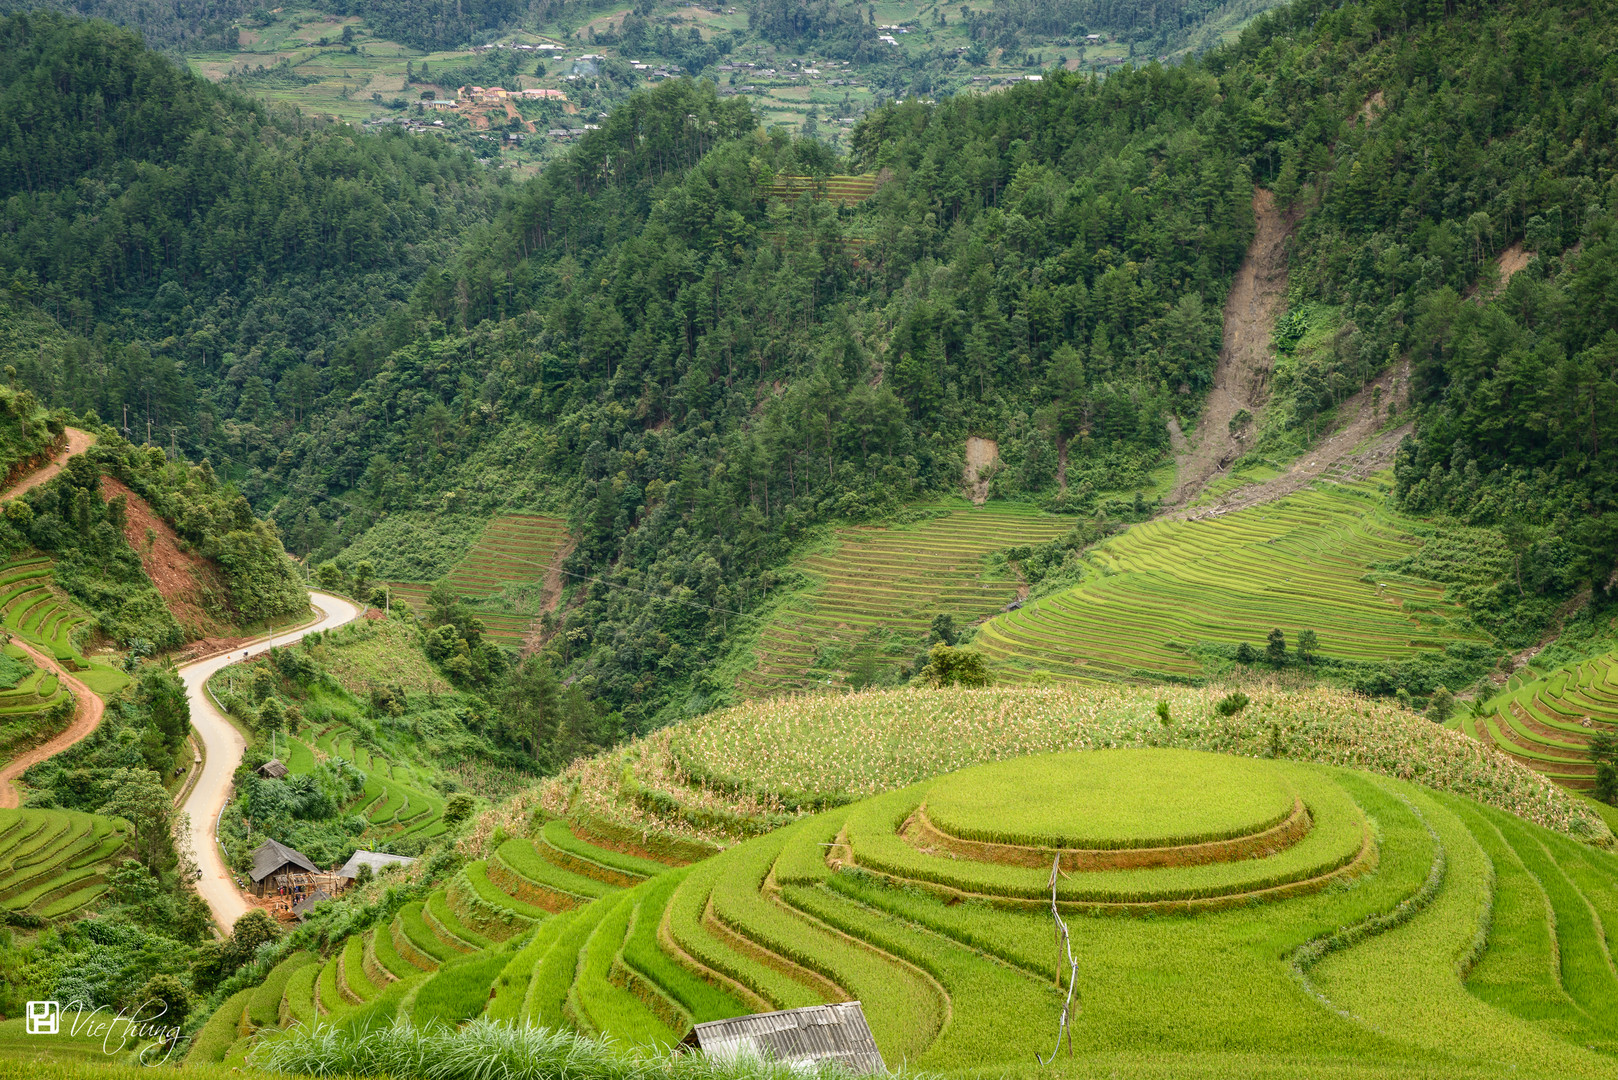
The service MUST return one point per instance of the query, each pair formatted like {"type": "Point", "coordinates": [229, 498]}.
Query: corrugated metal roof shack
{"type": "Point", "coordinates": [809, 1036]}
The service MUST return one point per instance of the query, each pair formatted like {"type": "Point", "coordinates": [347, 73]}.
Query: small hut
{"type": "Point", "coordinates": [376, 860]}
{"type": "Point", "coordinates": [275, 865]}
{"type": "Point", "coordinates": [820, 1033]}
{"type": "Point", "coordinates": [303, 907]}
{"type": "Point", "coordinates": [272, 769]}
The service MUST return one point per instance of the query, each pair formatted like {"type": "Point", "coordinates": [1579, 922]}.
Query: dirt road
{"type": "Point", "coordinates": [86, 718]}
{"type": "Point", "coordinates": [88, 707]}
{"type": "Point", "coordinates": [223, 746]}
{"type": "Point", "coordinates": [1242, 378]}
{"type": "Point", "coordinates": [77, 443]}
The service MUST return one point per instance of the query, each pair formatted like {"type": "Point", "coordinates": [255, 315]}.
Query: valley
{"type": "Point", "coordinates": [970, 540]}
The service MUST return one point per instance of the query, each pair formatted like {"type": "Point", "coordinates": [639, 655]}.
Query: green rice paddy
{"type": "Point", "coordinates": [450, 953]}
{"type": "Point", "coordinates": [1111, 799]}
{"type": "Point", "coordinates": [31, 611]}
{"type": "Point", "coordinates": [1157, 601]}
{"type": "Point", "coordinates": [1545, 720]}
{"type": "Point", "coordinates": [513, 550]}
{"type": "Point", "coordinates": [53, 863]}
{"type": "Point", "coordinates": [1419, 928]}
{"type": "Point", "coordinates": [398, 798]}
{"type": "Point", "coordinates": [879, 587]}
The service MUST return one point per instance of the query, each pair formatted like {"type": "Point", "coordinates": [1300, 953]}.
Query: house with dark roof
{"type": "Point", "coordinates": [272, 769]}
{"type": "Point", "coordinates": [275, 865]}
{"type": "Point", "coordinates": [837, 1034]}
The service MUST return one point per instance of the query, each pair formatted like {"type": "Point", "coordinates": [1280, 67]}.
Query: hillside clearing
{"type": "Point", "coordinates": [875, 590]}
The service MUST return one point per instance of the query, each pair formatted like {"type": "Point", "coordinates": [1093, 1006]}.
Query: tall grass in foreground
{"type": "Point", "coordinates": [485, 1049]}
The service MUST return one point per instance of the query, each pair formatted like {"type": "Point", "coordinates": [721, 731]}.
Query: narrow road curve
{"type": "Point", "coordinates": [223, 747]}
{"type": "Point", "coordinates": [77, 443]}
{"type": "Point", "coordinates": [87, 709]}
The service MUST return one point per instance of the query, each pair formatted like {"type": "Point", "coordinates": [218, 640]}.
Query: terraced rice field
{"type": "Point", "coordinates": [29, 609]}
{"type": "Point", "coordinates": [884, 585]}
{"type": "Point", "coordinates": [398, 798]}
{"type": "Point", "coordinates": [38, 705]}
{"type": "Point", "coordinates": [53, 863]}
{"type": "Point", "coordinates": [513, 549]}
{"type": "Point", "coordinates": [1250, 857]}
{"type": "Point", "coordinates": [471, 948]}
{"type": "Point", "coordinates": [1545, 721]}
{"type": "Point", "coordinates": [848, 190]}
{"type": "Point", "coordinates": [1156, 593]}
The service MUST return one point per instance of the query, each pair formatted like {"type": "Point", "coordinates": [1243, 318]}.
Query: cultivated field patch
{"type": "Point", "coordinates": [953, 959]}
{"type": "Point", "coordinates": [54, 863]}
{"type": "Point", "coordinates": [877, 588]}
{"type": "Point", "coordinates": [1173, 600]}
{"type": "Point", "coordinates": [513, 551]}
{"type": "Point", "coordinates": [1546, 721]}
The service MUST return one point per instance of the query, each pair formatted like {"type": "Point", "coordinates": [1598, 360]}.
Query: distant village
{"type": "Point", "coordinates": [475, 104]}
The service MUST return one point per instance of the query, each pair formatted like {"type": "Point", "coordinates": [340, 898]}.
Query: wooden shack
{"type": "Point", "coordinates": [275, 866]}
{"type": "Point", "coordinates": [272, 769]}
{"type": "Point", "coordinates": [835, 1034]}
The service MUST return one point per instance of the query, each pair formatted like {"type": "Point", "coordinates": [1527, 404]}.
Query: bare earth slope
{"type": "Point", "coordinates": [1242, 379]}
{"type": "Point", "coordinates": [1352, 450]}
{"type": "Point", "coordinates": [184, 578]}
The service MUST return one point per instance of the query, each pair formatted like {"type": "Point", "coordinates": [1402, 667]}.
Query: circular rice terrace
{"type": "Point", "coordinates": [1377, 921]}
{"type": "Point", "coordinates": [1158, 829]}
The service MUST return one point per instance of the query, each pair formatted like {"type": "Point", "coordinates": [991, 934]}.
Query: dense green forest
{"type": "Point", "coordinates": [172, 26]}
{"type": "Point", "coordinates": [698, 372]}
{"type": "Point", "coordinates": [1507, 143]}
{"type": "Point", "coordinates": [193, 246]}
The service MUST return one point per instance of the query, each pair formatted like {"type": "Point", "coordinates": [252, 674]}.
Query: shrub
{"type": "Point", "coordinates": [1231, 704]}
{"type": "Point", "coordinates": [955, 667]}
{"type": "Point", "coordinates": [1276, 650]}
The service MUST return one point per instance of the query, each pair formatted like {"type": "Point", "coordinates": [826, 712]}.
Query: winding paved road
{"type": "Point", "coordinates": [223, 746]}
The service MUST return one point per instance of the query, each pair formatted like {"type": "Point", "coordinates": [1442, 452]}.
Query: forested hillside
{"type": "Point", "coordinates": [1453, 152]}
{"type": "Point", "coordinates": [697, 371]}
{"type": "Point", "coordinates": [692, 408]}
{"type": "Point", "coordinates": [195, 249]}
